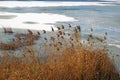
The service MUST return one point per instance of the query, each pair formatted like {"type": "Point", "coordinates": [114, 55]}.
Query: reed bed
{"type": "Point", "coordinates": [20, 40]}
{"type": "Point", "coordinates": [66, 58]}
{"type": "Point", "coordinates": [8, 30]}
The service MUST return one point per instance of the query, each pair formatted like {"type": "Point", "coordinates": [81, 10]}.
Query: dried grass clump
{"type": "Point", "coordinates": [20, 40]}
{"type": "Point", "coordinates": [8, 30]}
{"type": "Point", "coordinates": [73, 64]}
{"type": "Point", "coordinates": [8, 46]}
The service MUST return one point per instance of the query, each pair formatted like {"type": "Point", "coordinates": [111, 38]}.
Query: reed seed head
{"type": "Point", "coordinates": [55, 45]}
{"type": "Point", "coordinates": [60, 43]}
{"type": "Point", "coordinates": [91, 36]}
{"type": "Point", "coordinates": [44, 31]}
{"type": "Point", "coordinates": [80, 43]}
{"type": "Point", "coordinates": [58, 28]}
{"type": "Point", "coordinates": [52, 38]}
{"type": "Point", "coordinates": [78, 27]}
{"type": "Point", "coordinates": [68, 34]}
{"type": "Point", "coordinates": [63, 33]}
{"type": "Point", "coordinates": [58, 49]}
{"type": "Point", "coordinates": [60, 32]}
{"type": "Point", "coordinates": [69, 25]}
{"type": "Point", "coordinates": [38, 33]}
{"type": "Point", "coordinates": [71, 38]}
{"type": "Point", "coordinates": [52, 29]}
{"type": "Point", "coordinates": [62, 26]}
{"type": "Point", "coordinates": [62, 37]}
{"type": "Point", "coordinates": [106, 33]}
{"type": "Point", "coordinates": [58, 35]}
{"type": "Point", "coordinates": [45, 39]}
{"type": "Point", "coordinates": [75, 30]}
{"type": "Point", "coordinates": [30, 32]}
{"type": "Point", "coordinates": [88, 39]}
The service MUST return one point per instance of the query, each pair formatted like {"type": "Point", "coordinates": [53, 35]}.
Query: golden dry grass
{"type": "Point", "coordinates": [79, 64]}
{"type": "Point", "coordinates": [75, 62]}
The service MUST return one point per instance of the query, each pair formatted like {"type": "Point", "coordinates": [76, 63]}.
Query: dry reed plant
{"type": "Point", "coordinates": [21, 40]}
{"type": "Point", "coordinates": [66, 58]}
{"type": "Point", "coordinates": [79, 64]}
{"type": "Point", "coordinates": [8, 30]}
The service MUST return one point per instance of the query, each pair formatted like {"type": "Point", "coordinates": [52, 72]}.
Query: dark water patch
{"type": "Point", "coordinates": [30, 22]}
{"type": "Point", "coordinates": [7, 16]}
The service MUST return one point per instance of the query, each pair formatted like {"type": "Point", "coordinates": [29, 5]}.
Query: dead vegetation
{"type": "Point", "coordinates": [8, 46]}
{"type": "Point", "coordinates": [20, 40]}
{"type": "Point", "coordinates": [66, 58]}
{"type": "Point", "coordinates": [8, 30]}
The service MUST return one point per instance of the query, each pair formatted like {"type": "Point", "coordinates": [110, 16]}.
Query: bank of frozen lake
{"type": "Point", "coordinates": [38, 15]}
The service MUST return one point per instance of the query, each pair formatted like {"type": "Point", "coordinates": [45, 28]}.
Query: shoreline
{"type": "Point", "coordinates": [61, 45]}
{"type": "Point", "coordinates": [42, 42]}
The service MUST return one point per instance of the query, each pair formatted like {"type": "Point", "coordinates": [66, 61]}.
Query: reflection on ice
{"type": "Point", "coordinates": [30, 22]}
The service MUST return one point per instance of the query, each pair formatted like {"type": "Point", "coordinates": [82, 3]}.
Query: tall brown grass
{"type": "Point", "coordinates": [79, 64]}
{"type": "Point", "coordinates": [76, 61]}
